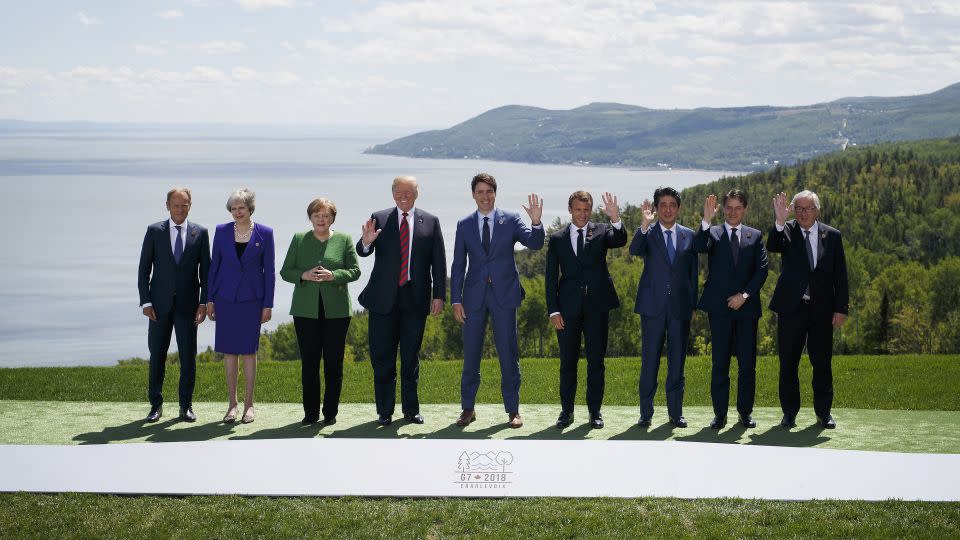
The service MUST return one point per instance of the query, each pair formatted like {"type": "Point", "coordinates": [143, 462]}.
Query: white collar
{"type": "Point", "coordinates": [574, 228]}
{"type": "Point", "coordinates": [183, 225]}
{"type": "Point", "coordinates": [409, 212]}
{"type": "Point", "coordinates": [490, 215]}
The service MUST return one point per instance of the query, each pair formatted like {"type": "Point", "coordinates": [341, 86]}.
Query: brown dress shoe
{"type": "Point", "coordinates": [466, 417]}
{"type": "Point", "coordinates": [515, 420]}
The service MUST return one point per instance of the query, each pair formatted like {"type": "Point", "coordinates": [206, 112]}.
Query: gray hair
{"type": "Point", "coordinates": [243, 196]}
{"type": "Point", "coordinates": [405, 179]}
{"type": "Point", "coordinates": [805, 194]}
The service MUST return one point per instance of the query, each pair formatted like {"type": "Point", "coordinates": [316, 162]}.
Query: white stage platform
{"type": "Point", "coordinates": [475, 468]}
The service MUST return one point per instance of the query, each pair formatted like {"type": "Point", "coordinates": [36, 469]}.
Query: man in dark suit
{"type": "Point", "coordinates": [490, 287]}
{"type": "Point", "coordinates": [409, 280]}
{"type": "Point", "coordinates": [580, 295]}
{"type": "Point", "coordinates": [731, 297]}
{"type": "Point", "coordinates": [665, 300]}
{"type": "Point", "coordinates": [172, 279]}
{"type": "Point", "coordinates": [812, 297]}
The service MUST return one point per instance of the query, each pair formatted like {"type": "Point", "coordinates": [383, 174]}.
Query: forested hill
{"type": "Point", "coordinates": [739, 138]}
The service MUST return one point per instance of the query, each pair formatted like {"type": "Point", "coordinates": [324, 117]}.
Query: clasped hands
{"type": "Point", "coordinates": [317, 273]}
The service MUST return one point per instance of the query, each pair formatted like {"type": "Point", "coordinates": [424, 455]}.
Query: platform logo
{"type": "Point", "coordinates": [490, 470]}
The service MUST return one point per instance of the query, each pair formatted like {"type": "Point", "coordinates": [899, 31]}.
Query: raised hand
{"type": "Point", "coordinates": [370, 232]}
{"type": "Point", "coordinates": [649, 214]}
{"type": "Point", "coordinates": [535, 208]}
{"type": "Point", "coordinates": [781, 208]}
{"type": "Point", "coordinates": [710, 208]}
{"type": "Point", "coordinates": [610, 207]}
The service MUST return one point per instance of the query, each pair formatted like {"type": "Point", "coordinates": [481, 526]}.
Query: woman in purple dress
{"type": "Point", "coordinates": [241, 284]}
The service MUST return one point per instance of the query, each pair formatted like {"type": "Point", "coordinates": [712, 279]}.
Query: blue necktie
{"type": "Point", "coordinates": [178, 249]}
{"type": "Point", "coordinates": [485, 238]}
{"type": "Point", "coordinates": [671, 251]}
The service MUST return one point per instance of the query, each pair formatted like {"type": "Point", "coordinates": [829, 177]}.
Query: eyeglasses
{"type": "Point", "coordinates": [804, 209]}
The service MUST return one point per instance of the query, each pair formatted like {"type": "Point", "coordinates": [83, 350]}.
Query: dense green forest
{"type": "Point", "coordinates": [735, 138]}
{"type": "Point", "coordinates": [897, 206]}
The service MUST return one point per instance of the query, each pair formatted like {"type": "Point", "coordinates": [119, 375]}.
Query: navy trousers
{"type": "Point", "coordinates": [505, 338]}
{"type": "Point", "coordinates": [654, 330]}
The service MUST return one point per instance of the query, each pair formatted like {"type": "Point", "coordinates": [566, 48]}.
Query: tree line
{"type": "Point", "coordinates": [897, 206]}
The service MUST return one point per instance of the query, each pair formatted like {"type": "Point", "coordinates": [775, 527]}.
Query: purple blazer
{"type": "Point", "coordinates": [251, 277]}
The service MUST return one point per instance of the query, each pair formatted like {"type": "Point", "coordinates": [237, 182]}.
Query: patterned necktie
{"type": "Point", "coordinates": [735, 245]}
{"type": "Point", "coordinates": [485, 237]}
{"type": "Point", "coordinates": [671, 250]}
{"type": "Point", "coordinates": [404, 250]}
{"type": "Point", "coordinates": [178, 248]}
{"type": "Point", "coordinates": [579, 242]}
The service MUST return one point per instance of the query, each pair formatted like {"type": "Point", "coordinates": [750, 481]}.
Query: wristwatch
{"type": "Point", "coordinates": [745, 295]}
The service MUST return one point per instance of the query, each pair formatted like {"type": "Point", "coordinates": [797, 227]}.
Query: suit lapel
{"type": "Point", "coordinates": [167, 245]}
{"type": "Point", "coordinates": [821, 243]}
{"type": "Point", "coordinates": [659, 241]}
{"type": "Point", "coordinates": [589, 233]}
{"type": "Point", "coordinates": [499, 230]}
{"type": "Point", "coordinates": [254, 242]}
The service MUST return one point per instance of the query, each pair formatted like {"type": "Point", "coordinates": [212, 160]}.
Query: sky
{"type": "Point", "coordinates": [433, 64]}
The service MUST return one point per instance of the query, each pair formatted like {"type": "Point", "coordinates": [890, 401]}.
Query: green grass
{"type": "Point", "coordinates": [84, 516]}
{"type": "Point", "coordinates": [905, 382]}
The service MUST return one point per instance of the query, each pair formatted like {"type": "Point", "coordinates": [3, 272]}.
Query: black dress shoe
{"type": "Point", "coordinates": [747, 421]}
{"type": "Point", "coordinates": [564, 420]}
{"type": "Point", "coordinates": [414, 418]}
{"type": "Point", "coordinates": [718, 422]}
{"type": "Point", "coordinates": [788, 421]}
{"type": "Point", "coordinates": [679, 422]}
{"type": "Point", "coordinates": [384, 420]}
{"type": "Point", "coordinates": [307, 420]}
{"type": "Point", "coordinates": [827, 422]}
{"type": "Point", "coordinates": [644, 422]}
{"type": "Point", "coordinates": [596, 422]}
{"type": "Point", "coordinates": [186, 414]}
{"type": "Point", "coordinates": [330, 420]}
{"type": "Point", "coordinates": [155, 413]}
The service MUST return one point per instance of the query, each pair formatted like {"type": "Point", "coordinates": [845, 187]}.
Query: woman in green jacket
{"type": "Point", "coordinates": [320, 263]}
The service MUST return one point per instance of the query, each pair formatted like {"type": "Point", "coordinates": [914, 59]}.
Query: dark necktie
{"type": "Point", "coordinates": [735, 245]}
{"type": "Point", "coordinates": [671, 251]}
{"type": "Point", "coordinates": [485, 237]}
{"type": "Point", "coordinates": [809, 246]}
{"type": "Point", "coordinates": [404, 250]}
{"type": "Point", "coordinates": [178, 248]}
{"type": "Point", "coordinates": [579, 242]}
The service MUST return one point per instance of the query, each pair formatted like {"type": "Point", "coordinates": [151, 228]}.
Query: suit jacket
{"type": "Point", "coordinates": [726, 279]}
{"type": "Point", "coordinates": [829, 291]}
{"type": "Point", "coordinates": [577, 282]}
{"type": "Point", "coordinates": [339, 257]}
{"type": "Point", "coordinates": [428, 262]}
{"type": "Point", "coordinates": [497, 268]}
{"type": "Point", "coordinates": [160, 277]}
{"type": "Point", "coordinates": [251, 277]}
{"type": "Point", "coordinates": [664, 288]}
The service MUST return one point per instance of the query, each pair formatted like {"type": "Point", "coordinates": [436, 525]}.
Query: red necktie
{"type": "Point", "coordinates": [404, 251]}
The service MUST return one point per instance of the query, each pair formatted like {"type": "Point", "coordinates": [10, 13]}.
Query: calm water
{"type": "Point", "coordinates": [76, 207]}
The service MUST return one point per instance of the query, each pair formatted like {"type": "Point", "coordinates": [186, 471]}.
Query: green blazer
{"type": "Point", "coordinates": [338, 255]}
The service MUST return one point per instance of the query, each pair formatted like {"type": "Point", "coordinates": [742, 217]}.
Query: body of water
{"type": "Point", "coordinates": [75, 209]}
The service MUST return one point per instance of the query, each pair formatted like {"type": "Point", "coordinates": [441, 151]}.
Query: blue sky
{"type": "Point", "coordinates": [436, 63]}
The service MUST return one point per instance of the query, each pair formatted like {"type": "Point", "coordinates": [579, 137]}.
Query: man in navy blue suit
{"type": "Point", "coordinates": [490, 287]}
{"type": "Point", "coordinates": [172, 279]}
{"type": "Point", "coordinates": [731, 297]}
{"type": "Point", "coordinates": [665, 300]}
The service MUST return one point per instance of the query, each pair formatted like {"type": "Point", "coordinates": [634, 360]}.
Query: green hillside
{"type": "Point", "coordinates": [738, 138]}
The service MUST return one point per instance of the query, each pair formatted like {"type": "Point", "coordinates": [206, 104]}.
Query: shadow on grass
{"type": "Point", "coordinates": [295, 430]}
{"type": "Point", "coordinates": [811, 435]}
{"type": "Point", "coordinates": [124, 432]}
{"type": "Point", "coordinates": [553, 433]}
{"type": "Point", "coordinates": [637, 433]}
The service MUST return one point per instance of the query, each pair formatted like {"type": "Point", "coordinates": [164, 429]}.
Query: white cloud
{"type": "Point", "coordinates": [169, 14]}
{"type": "Point", "coordinates": [221, 47]}
{"type": "Point", "coordinates": [87, 20]}
{"type": "Point", "coordinates": [150, 50]}
{"type": "Point", "coordinates": [254, 5]}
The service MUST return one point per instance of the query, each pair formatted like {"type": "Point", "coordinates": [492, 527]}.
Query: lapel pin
{"type": "Point", "coordinates": [823, 236]}
{"type": "Point", "coordinates": [420, 220]}
{"type": "Point", "coordinates": [748, 234]}
{"type": "Point", "coordinates": [257, 244]}
{"type": "Point", "coordinates": [501, 220]}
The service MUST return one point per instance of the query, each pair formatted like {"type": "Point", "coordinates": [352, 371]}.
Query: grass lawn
{"type": "Point", "coordinates": [877, 399]}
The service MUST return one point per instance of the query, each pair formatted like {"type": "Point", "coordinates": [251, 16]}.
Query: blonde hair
{"type": "Point", "coordinates": [322, 203]}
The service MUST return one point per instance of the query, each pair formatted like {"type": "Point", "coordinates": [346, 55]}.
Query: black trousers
{"type": "Point", "coordinates": [592, 325]}
{"type": "Point", "coordinates": [159, 332]}
{"type": "Point", "coordinates": [729, 335]}
{"type": "Point", "coordinates": [321, 338]}
{"type": "Point", "coordinates": [401, 328]}
{"type": "Point", "coordinates": [793, 331]}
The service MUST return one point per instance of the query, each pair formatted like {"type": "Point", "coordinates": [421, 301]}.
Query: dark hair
{"type": "Point", "coordinates": [581, 196]}
{"type": "Point", "coordinates": [486, 179]}
{"type": "Point", "coordinates": [738, 194]}
{"type": "Point", "coordinates": [665, 191]}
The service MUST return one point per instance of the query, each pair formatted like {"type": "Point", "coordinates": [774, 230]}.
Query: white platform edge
{"type": "Point", "coordinates": [469, 468]}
